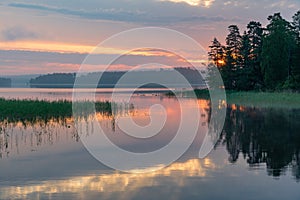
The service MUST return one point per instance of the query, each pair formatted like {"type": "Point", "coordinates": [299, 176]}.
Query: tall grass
{"type": "Point", "coordinates": [14, 110]}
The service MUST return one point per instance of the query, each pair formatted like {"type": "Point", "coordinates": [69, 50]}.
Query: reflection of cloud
{"type": "Point", "coordinates": [17, 33]}
{"type": "Point", "coordinates": [115, 182]}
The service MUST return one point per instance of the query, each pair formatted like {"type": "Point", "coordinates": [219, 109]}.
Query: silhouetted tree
{"type": "Point", "coordinates": [245, 72]}
{"type": "Point", "coordinates": [296, 22]}
{"type": "Point", "coordinates": [277, 49]}
{"type": "Point", "coordinates": [233, 57]}
{"type": "Point", "coordinates": [294, 81]}
{"type": "Point", "coordinates": [255, 35]}
{"type": "Point", "coordinates": [217, 53]}
{"type": "Point", "coordinates": [262, 58]}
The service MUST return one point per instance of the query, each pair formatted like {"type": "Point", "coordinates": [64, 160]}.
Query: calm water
{"type": "Point", "coordinates": [257, 156]}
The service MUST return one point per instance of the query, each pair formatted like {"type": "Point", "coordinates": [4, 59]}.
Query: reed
{"type": "Point", "coordinates": [15, 110]}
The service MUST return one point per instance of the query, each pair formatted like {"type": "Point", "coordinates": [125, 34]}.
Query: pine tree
{"type": "Point", "coordinates": [217, 53]}
{"type": "Point", "coordinates": [277, 52]}
{"type": "Point", "coordinates": [296, 23]}
{"type": "Point", "coordinates": [245, 72]}
{"type": "Point", "coordinates": [233, 57]}
{"type": "Point", "coordinates": [216, 56]}
{"type": "Point", "coordinates": [294, 82]}
{"type": "Point", "coordinates": [255, 35]}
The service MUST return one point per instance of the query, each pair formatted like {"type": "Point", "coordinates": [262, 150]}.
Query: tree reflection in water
{"type": "Point", "coordinates": [269, 136]}
{"type": "Point", "coordinates": [262, 136]}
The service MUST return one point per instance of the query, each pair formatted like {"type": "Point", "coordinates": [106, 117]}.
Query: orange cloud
{"type": "Point", "coordinates": [46, 46]}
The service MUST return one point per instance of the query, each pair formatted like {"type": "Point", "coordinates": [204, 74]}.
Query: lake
{"type": "Point", "coordinates": [257, 155]}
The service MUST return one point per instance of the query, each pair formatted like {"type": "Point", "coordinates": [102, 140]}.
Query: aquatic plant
{"type": "Point", "coordinates": [15, 110]}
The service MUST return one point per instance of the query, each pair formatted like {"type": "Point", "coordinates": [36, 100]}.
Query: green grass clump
{"type": "Point", "coordinates": [14, 110]}
{"type": "Point", "coordinates": [251, 99]}
{"type": "Point", "coordinates": [265, 99]}
{"type": "Point", "coordinates": [202, 94]}
{"type": "Point", "coordinates": [199, 93]}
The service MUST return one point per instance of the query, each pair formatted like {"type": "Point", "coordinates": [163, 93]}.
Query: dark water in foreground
{"type": "Point", "coordinates": [257, 156]}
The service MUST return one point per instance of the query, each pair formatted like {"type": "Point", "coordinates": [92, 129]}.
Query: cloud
{"type": "Point", "coordinates": [35, 57]}
{"type": "Point", "coordinates": [39, 62]}
{"type": "Point", "coordinates": [283, 3]}
{"type": "Point", "coordinates": [100, 13]}
{"type": "Point", "coordinates": [202, 3]}
{"type": "Point", "coordinates": [162, 12]}
{"type": "Point", "coordinates": [17, 33]}
{"type": "Point", "coordinates": [150, 16]}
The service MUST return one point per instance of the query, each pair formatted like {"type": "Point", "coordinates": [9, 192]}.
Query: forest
{"type": "Point", "coordinates": [5, 82]}
{"type": "Point", "coordinates": [262, 58]}
{"type": "Point", "coordinates": [109, 79]}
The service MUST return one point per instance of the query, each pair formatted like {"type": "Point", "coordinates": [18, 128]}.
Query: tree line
{"type": "Point", "coordinates": [109, 79]}
{"type": "Point", "coordinates": [5, 82]}
{"type": "Point", "coordinates": [262, 58]}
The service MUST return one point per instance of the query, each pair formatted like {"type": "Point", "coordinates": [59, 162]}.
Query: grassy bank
{"type": "Point", "coordinates": [200, 94]}
{"type": "Point", "coordinates": [14, 110]}
{"type": "Point", "coordinates": [265, 99]}
{"type": "Point", "coordinates": [254, 99]}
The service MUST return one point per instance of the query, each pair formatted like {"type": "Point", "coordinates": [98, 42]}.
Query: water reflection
{"type": "Point", "coordinates": [176, 173]}
{"type": "Point", "coordinates": [32, 131]}
{"type": "Point", "coordinates": [264, 136]}
{"type": "Point", "coordinates": [266, 141]}
{"type": "Point", "coordinates": [23, 137]}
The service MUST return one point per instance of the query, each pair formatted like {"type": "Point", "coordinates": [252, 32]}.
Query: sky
{"type": "Point", "coordinates": [47, 36]}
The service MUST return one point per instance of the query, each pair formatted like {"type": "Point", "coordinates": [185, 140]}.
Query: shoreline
{"type": "Point", "coordinates": [265, 99]}
{"type": "Point", "coordinates": [289, 100]}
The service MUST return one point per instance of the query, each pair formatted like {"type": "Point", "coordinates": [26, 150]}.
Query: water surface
{"type": "Point", "coordinates": [257, 156]}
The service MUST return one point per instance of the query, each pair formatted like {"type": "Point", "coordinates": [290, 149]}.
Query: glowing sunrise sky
{"type": "Point", "coordinates": [47, 36]}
